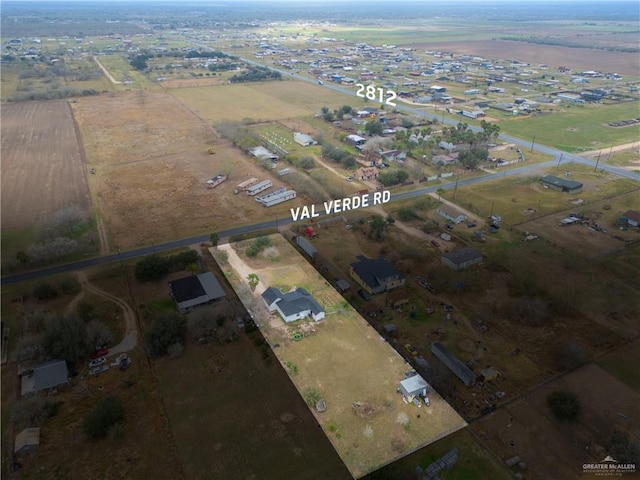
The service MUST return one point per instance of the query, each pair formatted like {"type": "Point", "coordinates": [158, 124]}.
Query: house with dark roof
{"type": "Point", "coordinates": [44, 376]}
{"type": "Point", "coordinates": [633, 217]}
{"type": "Point", "coordinates": [454, 364]}
{"type": "Point", "coordinates": [461, 259]}
{"type": "Point", "coordinates": [195, 290]}
{"type": "Point", "coordinates": [376, 275]}
{"type": "Point", "coordinates": [560, 184]}
{"type": "Point", "coordinates": [294, 305]}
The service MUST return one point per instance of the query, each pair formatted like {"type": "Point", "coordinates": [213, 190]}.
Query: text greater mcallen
{"type": "Point", "coordinates": [341, 205]}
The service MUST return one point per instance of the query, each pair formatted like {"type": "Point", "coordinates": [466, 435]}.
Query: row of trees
{"type": "Point", "coordinates": [154, 267]}
{"type": "Point", "coordinates": [256, 74]}
{"type": "Point", "coordinates": [66, 232]}
{"type": "Point", "coordinates": [338, 155]}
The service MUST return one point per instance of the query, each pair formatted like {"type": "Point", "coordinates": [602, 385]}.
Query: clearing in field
{"type": "Point", "coordinates": [341, 360]}
{"type": "Point", "coordinates": [262, 102]}
{"type": "Point", "coordinates": [42, 165]}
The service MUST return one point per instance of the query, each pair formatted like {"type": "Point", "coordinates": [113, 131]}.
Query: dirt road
{"type": "Point", "coordinates": [129, 340]}
{"type": "Point", "coordinates": [106, 72]}
{"type": "Point", "coordinates": [616, 148]}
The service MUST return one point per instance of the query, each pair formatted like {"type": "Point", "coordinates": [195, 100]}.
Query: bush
{"type": "Point", "coordinates": [66, 337]}
{"type": "Point", "coordinates": [564, 405]}
{"type": "Point", "coordinates": [104, 416]}
{"type": "Point", "coordinates": [69, 286]}
{"type": "Point", "coordinates": [166, 330]}
{"type": "Point", "coordinates": [571, 354]}
{"type": "Point", "coordinates": [45, 291]}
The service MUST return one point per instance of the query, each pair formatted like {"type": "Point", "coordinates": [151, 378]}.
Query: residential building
{"type": "Point", "coordinates": [376, 275]}
{"type": "Point", "coordinates": [633, 217]}
{"type": "Point", "coordinates": [294, 305]}
{"type": "Point", "coordinates": [461, 259]}
{"type": "Point", "coordinates": [560, 184]}
{"type": "Point", "coordinates": [45, 376]}
{"type": "Point", "coordinates": [303, 139]}
{"type": "Point", "coordinates": [366, 173]}
{"type": "Point", "coordinates": [451, 213]}
{"type": "Point", "coordinates": [195, 290]}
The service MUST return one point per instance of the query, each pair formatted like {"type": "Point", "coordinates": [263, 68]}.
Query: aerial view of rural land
{"type": "Point", "coordinates": [327, 240]}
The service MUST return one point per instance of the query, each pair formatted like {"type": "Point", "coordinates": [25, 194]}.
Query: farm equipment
{"type": "Point", "coordinates": [310, 232]}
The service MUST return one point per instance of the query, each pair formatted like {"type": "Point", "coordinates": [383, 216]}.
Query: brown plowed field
{"type": "Point", "coordinates": [555, 56]}
{"type": "Point", "coordinates": [42, 165]}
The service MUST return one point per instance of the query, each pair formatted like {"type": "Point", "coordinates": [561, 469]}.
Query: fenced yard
{"type": "Point", "coordinates": [351, 367]}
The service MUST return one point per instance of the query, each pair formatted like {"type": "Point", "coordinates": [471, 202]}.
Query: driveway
{"type": "Point", "coordinates": [128, 343]}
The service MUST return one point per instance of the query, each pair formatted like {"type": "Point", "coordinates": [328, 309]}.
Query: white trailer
{"type": "Point", "coordinates": [259, 187]}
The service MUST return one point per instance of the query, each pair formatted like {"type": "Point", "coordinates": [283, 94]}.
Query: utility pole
{"type": "Point", "coordinates": [455, 187]}
{"type": "Point", "coordinates": [597, 161]}
{"type": "Point", "coordinates": [533, 142]}
{"type": "Point", "coordinates": [560, 159]}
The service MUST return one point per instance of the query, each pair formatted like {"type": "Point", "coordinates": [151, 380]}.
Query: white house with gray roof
{"type": "Point", "coordinates": [294, 305]}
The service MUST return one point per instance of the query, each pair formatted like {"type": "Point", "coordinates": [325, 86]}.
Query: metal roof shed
{"type": "Point", "coordinates": [415, 385]}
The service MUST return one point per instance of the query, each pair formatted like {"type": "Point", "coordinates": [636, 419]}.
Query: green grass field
{"type": "Point", "coordinates": [262, 101]}
{"type": "Point", "coordinates": [121, 71]}
{"type": "Point", "coordinates": [511, 198]}
{"type": "Point", "coordinates": [577, 128]}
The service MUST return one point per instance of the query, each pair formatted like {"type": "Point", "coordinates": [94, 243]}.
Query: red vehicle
{"type": "Point", "coordinates": [101, 352]}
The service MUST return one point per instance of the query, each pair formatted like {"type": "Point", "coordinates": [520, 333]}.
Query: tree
{"type": "Point", "coordinates": [440, 191]}
{"type": "Point", "coordinates": [473, 157]}
{"type": "Point", "coordinates": [45, 291]}
{"type": "Point", "coordinates": [66, 337]}
{"type": "Point", "coordinates": [378, 228]}
{"type": "Point", "coordinates": [214, 239]}
{"type": "Point", "coordinates": [253, 280]}
{"type": "Point", "coordinates": [22, 257]}
{"type": "Point", "coordinates": [107, 413]}
{"type": "Point", "coordinates": [373, 127]}
{"type": "Point", "coordinates": [564, 405]}
{"type": "Point", "coordinates": [571, 354]}
{"type": "Point", "coordinates": [307, 162]}
{"type": "Point", "coordinates": [623, 449]}
{"type": "Point", "coordinates": [98, 333]}
{"type": "Point", "coordinates": [151, 268]}
{"type": "Point", "coordinates": [192, 268]}
{"type": "Point", "coordinates": [139, 62]}
{"type": "Point", "coordinates": [166, 330]}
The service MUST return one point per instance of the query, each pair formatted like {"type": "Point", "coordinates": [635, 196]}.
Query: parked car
{"type": "Point", "coordinates": [100, 352]}
{"type": "Point", "coordinates": [98, 370]}
{"type": "Point", "coordinates": [411, 350]}
{"type": "Point", "coordinates": [349, 179]}
{"type": "Point", "coordinates": [97, 362]}
{"type": "Point", "coordinates": [364, 295]}
{"type": "Point", "coordinates": [434, 243]}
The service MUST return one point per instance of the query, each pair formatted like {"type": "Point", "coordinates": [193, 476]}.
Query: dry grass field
{"type": "Point", "coordinates": [151, 169]}
{"type": "Point", "coordinates": [558, 450]}
{"type": "Point", "coordinates": [577, 58]}
{"type": "Point", "coordinates": [42, 165]}
{"type": "Point", "coordinates": [233, 415]}
{"type": "Point", "coordinates": [346, 361]}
